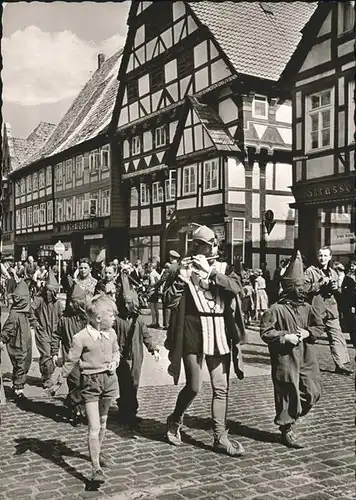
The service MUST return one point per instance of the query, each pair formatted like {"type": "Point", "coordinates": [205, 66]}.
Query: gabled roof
{"type": "Point", "coordinates": [257, 37]}
{"type": "Point", "coordinates": [90, 112]}
{"type": "Point", "coordinates": [215, 127]}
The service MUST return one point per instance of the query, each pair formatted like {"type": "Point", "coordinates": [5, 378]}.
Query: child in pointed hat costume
{"type": "Point", "coordinates": [74, 319]}
{"type": "Point", "coordinates": [48, 310]}
{"type": "Point", "coordinates": [290, 328]}
{"type": "Point", "coordinates": [16, 334]}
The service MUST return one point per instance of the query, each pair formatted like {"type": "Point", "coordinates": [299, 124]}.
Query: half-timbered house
{"type": "Point", "coordinates": [204, 130]}
{"type": "Point", "coordinates": [322, 75]}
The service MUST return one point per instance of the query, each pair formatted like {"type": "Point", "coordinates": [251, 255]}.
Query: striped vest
{"type": "Point", "coordinates": [211, 312]}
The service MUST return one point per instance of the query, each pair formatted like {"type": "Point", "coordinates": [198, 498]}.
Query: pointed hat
{"type": "Point", "coordinates": [295, 271]}
{"type": "Point", "coordinates": [22, 290]}
{"type": "Point", "coordinates": [52, 283]}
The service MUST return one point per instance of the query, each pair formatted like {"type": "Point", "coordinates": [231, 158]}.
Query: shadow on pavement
{"type": "Point", "coordinates": [58, 413]}
{"type": "Point", "coordinates": [34, 381]}
{"type": "Point", "coordinates": [53, 450]}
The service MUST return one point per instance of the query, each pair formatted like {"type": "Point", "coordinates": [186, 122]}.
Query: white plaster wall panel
{"type": "Point", "coordinates": [188, 143]}
{"type": "Point", "coordinates": [191, 25]}
{"type": "Point", "coordinates": [123, 116]}
{"type": "Point", "coordinates": [148, 159]}
{"type": "Point", "coordinates": [155, 100]}
{"type": "Point", "coordinates": [256, 176]}
{"type": "Point", "coordinates": [167, 38]}
{"type": "Point", "coordinates": [237, 197]}
{"type": "Point", "coordinates": [198, 137]}
{"type": "Point", "coordinates": [156, 215]}
{"type": "Point", "coordinates": [283, 176]}
{"type": "Point", "coordinates": [173, 90]}
{"type": "Point", "coordinates": [286, 134]}
{"type": "Point", "coordinates": [135, 163]}
{"type": "Point", "coordinates": [319, 54]}
{"type": "Point", "coordinates": [180, 150]}
{"type": "Point", "coordinates": [280, 206]}
{"type": "Point", "coordinates": [346, 48]}
{"type": "Point", "coordinates": [282, 235]}
{"type": "Point", "coordinates": [341, 91]}
{"type": "Point", "coordinates": [298, 136]}
{"type": "Point", "coordinates": [284, 113]}
{"type": "Point", "coordinates": [140, 54]}
{"type": "Point", "coordinates": [170, 70]}
{"type": "Point", "coordinates": [126, 149]}
{"type": "Point", "coordinates": [200, 54]}
{"type": "Point", "coordinates": [150, 46]}
{"type": "Point", "coordinates": [212, 199]}
{"type": "Point", "coordinates": [326, 26]}
{"type": "Point", "coordinates": [228, 110]}
{"type": "Point", "coordinates": [207, 141]}
{"type": "Point", "coordinates": [124, 99]}
{"type": "Point", "coordinates": [235, 173]}
{"type": "Point", "coordinates": [256, 205]}
{"type": "Point", "coordinates": [195, 117]}
{"type": "Point", "coordinates": [179, 182]}
{"type": "Point", "coordinates": [183, 84]}
{"type": "Point", "coordinates": [341, 134]}
{"type": "Point", "coordinates": [186, 203]}
{"type": "Point", "coordinates": [133, 111]}
{"type": "Point", "coordinates": [188, 120]}
{"type": "Point", "coordinates": [269, 175]}
{"type": "Point", "coordinates": [352, 160]}
{"type": "Point", "coordinates": [201, 79]}
{"type": "Point", "coordinates": [178, 10]}
{"type": "Point", "coordinates": [298, 171]}
{"type": "Point", "coordinates": [232, 130]}
{"type": "Point", "coordinates": [256, 237]}
{"type": "Point", "coordinates": [213, 50]}
{"type": "Point", "coordinates": [219, 71]}
{"type": "Point", "coordinates": [160, 156]}
{"type": "Point", "coordinates": [140, 35]}
{"type": "Point", "coordinates": [260, 129]}
{"type": "Point", "coordinates": [145, 217]}
{"type": "Point", "coordinates": [130, 64]}
{"type": "Point", "coordinates": [147, 141]}
{"type": "Point", "coordinates": [126, 166]}
{"type": "Point", "coordinates": [133, 218]}
{"type": "Point", "coordinates": [172, 130]}
{"type": "Point", "coordinates": [177, 30]}
{"type": "Point", "coordinates": [146, 103]}
{"type": "Point", "coordinates": [318, 167]}
{"type": "Point", "coordinates": [143, 85]}
{"type": "Point", "coordinates": [298, 104]}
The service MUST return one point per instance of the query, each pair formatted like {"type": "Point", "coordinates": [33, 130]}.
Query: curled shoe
{"type": "Point", "coordinates": [97, 476]}
{"type": "Point", "coordinates": [173, 432]}
{"type": "Point", "coordinates": [290, 439]}
{"type": "Point", "coordinates": [223, 444]}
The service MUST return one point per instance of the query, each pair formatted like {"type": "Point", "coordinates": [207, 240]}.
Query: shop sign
{"type": "Point", "coordinates": [93, 236]}
{"type": "Point", "coordinates": [325, 190]}
{"type": "Point", "coordinates": [346, 236]}
{"type": "Point", "coordinates": [80, 225]}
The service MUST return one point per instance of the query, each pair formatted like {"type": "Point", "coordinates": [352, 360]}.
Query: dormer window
{"type": "Point", "coordinates": [260, 106]}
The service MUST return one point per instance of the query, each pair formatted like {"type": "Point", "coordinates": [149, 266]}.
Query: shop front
{"type": "Point", "coordinates": [326, 216]}
{"type": "Point", "coordinates": [37, 244]}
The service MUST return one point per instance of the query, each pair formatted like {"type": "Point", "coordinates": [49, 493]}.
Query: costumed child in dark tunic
{"type": "Point", "coordinates": [290, 328]}
{"type": "Point", "coordinates": [48, 310]}
{"type": "Point", "coordinates": [132, 334]}
{"type": "Point", "coordinates": [16, 334]}
{"type": "Point", "coordinates": [74, 319]}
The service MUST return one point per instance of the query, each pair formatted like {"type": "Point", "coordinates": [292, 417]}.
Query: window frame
{"type": "Point", "coordinates": [42, 211]}
{"type": "Point", "coordinates": [23, 218]}
{"type": "Point", "coordinates": [233, 239]}
{"type": "Point", "coordinates": [35, 216]}
{"type": "Point", "coordinates": [79, 214]}
{"type": "Point", "coordinates": [29, 217]}
{"type": "Point", "coordinates": [159, 133]}
{"type": "Point", "coordinates": [157, 192]}
{"type": "Point", "coordinates": [41, 175]}
{"type": "Point", "coordinates": [351, 112]}
{"type": "Point", "coordinates": [68, 208]}
{"type": "Point", "coordinates": [346, 27]}
{"type": "Point", "coordinates": [191, 190]}
{"type": "Point", "coordinates": [94, 161]}
{"type": "Point", "coordinates": [18, 218]}
{"type": "Point", "coordinates": [105, 150]}
{"type": "Point", "coordinates": [136, 144]}
{"type": "Point", "coordinates": [59, 174]}
{"type": "Point", "coordinates": [79, 167]}
{"type": "Point", "coordinates": [91, 203]}
{"type": "Point", "coordinates": [318, 111]}
{"type": "Point", "coordinates": [207, 175]}
{"type": "Point", "coordinates": [137, 197]}
{"type": "Point", "coordinates": [145, 195]}
{"type": "Point", "coordinates": [48, 176]}
{"type": "Point", "coordinates": [260, 98]}
{"type": "Point", "coordinates": [49, 211]}
{"type": "Point", "coordinates": [105, 200]}
{"type": "Point", "coordinates": [29, 184]}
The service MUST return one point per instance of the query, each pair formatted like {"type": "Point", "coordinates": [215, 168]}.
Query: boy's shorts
{"type": "Point", "coordinates": [98, 386]}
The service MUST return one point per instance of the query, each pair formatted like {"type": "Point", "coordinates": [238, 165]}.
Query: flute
{"type": "Point", "coordinates": [186, 261]}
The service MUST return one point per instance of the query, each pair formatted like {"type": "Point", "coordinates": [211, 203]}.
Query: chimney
{"type": "Point", "coordinates": [101, 59]}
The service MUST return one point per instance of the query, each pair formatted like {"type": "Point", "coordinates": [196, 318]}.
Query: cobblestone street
{"type": "Point", "coordinates": [43, 457]}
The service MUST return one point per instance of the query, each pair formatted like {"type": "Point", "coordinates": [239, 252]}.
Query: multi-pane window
{"type": "Point", "coordinates": [50, 212]}
{"type": "Point", "coordinates": [41, 179]}
{"type": "Point", "coordinates": [23, 186]}
{"type": "Point", "coordinates": [49, 176]}
{"type": "Point", "coordinates": [211, 175]}
{"type": "Point", "coordinates": [144, 194]}
{"type": "Point", "coordinates": [260, 106]}
{"type": "Point", "coordinates": [105, 202]}
{"type": "Point", "coordinates": [136, 145]}
{"type": "Point", "coordinates": [69, 170]}
{"type": "Point", "coordinates": [35, 215]}
{"type": "Point", "coordinates": [170, 186]}
{"type": "Point", "coordinates": [133, 197]}
{"type": "Point", "coordinates": [69, 209]}
{"type": "Point", "coordinates": [185, 63]}
{"type": "Point", "coordinates": [132, 91]}
{"type": "Point", "coordinates": [105, 157]}
{"type": "Point", "coordinates": [23, 218]}
{"type": "Point", "coordinates": [238, 239]}
{"type": "Point", "coordinates": [320, 120]}
{"type": "Point", "coordinates": [29, 184]}
{"type": "Point", "coordinates": [157, 79]}
{"type": "Point", "coordinates": [157, 192]}
{"type": "Point", "coordinates": [59, 174]}
{"type": "Point", "coordinates": [18, 219]}
{"type": "Point", "coordinates": [94, 161]}
{"type": "Point", "coordinates": [93, 205]}
{"type": "Point", "coordinates": [348, 15]}
{"type": "Point", "coordinates": [29, 217]}
{"type": "Point", "coordinates": [42, 214]}
{"type": "Point", "coordinates": [160, 136]}
{"type": "Point", "coordinates": [35, 181]}
{"type": "Point", "coordinates": [86, 208]}
{"type": "Point", "coordinates": [189, 179]}
{"type": "Point", "coordinates": [79, 167]}
{"type": "Point", "coordinates": [79, 207]}
{"type": "Point", "coordinates": [60, 211]}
